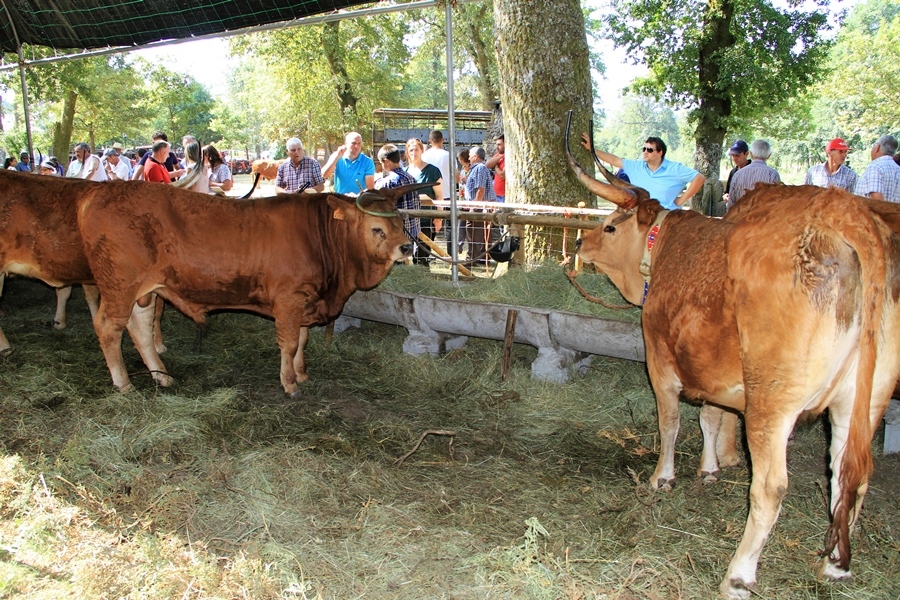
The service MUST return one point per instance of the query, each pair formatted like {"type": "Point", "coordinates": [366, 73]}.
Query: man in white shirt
{"type": "Point", "coordinates": [86, 165]}
{"type": "Point", "coordinates": [114, 166]}
{"type": "Point", "coordinates": [437, 156]}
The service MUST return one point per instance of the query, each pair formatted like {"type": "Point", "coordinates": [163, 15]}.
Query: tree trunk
{"type": "Point", "coordinates": [539, 83]}
{"type": "Point", "coordinates": [478, 52]}
{"type": "Point", "coordinates": [62, 132]}
{"type": "Point", "coordinates": [715, 101]}
{"type": "Point", "coordinates": [334, 54]}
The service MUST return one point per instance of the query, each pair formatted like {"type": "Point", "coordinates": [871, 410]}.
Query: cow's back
{"type": "Point", "coordinates": [39, 236]}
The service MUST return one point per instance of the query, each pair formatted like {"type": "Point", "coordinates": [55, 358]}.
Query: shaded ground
{"type": "Point", "coordinates": [223, 488]}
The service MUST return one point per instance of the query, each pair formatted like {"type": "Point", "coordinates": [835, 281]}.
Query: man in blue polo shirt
{"type": "Point", "coordinates": [350, 166]}
{"type": "Point", "coordinates": [661, 177]}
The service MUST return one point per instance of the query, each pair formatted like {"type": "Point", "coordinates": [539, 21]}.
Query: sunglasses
{"type": "Point", "coordinates": [650, 150]}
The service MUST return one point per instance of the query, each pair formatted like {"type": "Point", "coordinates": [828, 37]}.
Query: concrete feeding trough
{"type": "Point", "coordinates": [565, 341]}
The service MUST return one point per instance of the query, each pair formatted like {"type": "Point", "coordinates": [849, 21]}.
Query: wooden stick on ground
{"type": "Point", "coordinates": [511, 316]}
{"type": "Point", "coordinates": [440, 252]}
{"type": "Point", "coordinates": [448, 432]}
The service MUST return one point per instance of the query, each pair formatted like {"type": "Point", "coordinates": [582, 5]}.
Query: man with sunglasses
{"type": "Point", "coordinates": [833, 172]}
{"type": "Point", "coordinates": [661, 177]}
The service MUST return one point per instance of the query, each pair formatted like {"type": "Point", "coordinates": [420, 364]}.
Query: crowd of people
{"type": "Point", "coordinates": [479, 178]}
{"type": "Point", "coordinates": [200, 169]}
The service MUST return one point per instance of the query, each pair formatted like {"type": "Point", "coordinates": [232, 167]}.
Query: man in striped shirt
{"type": "Point", "coordinates": [881, 180]}
{"type": "Point", "coordinates": [756, 172]}
{"type": "Point", "coordinates": [298, 171]}
{"type": "Point", "coordinates": [393, 176]}
{"type": "Point", "coordinates": [833, 172]}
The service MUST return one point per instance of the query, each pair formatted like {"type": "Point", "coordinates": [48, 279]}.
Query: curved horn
{"type": "Point", "coordinates": [370, 196]}
{"type": "Point", "coordinates": [626, 197]}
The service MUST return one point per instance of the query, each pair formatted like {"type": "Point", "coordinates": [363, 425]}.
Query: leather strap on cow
{"type": "Point", "coordinates": [645, 259]}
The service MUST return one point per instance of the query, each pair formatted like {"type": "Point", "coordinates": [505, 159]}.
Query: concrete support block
{"type": "Point", "coordinates": [892, 428]}
{"type": "Point", "coordinates": [343, 323]}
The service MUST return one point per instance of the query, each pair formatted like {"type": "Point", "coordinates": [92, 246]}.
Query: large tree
{"type": "Point", "coordinates": [328, 78]}
{"type": "Point", "coordinates": [539, 83]}
{"type": "Point", "coordinates": [861, 88]}
{"type": "Point", "coordinates": [723, 60]}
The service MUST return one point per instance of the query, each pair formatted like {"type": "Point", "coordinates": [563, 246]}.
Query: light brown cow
{"type": "Point", "coordinates": [293, 258]}
{"type": "Point", "coordinates": [791, 309]}
{"type": "Point", "coordinates": [39, 238]}
{"type": "Point", "coordinates": [267, 169]}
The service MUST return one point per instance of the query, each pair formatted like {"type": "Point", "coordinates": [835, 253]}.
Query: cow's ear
{"type": "Point", "coordinates": [339, 208]}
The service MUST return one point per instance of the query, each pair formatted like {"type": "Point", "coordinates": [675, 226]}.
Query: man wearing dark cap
{"type": "Point", "coordinates": [833, 172]}
{"type": "Point", "coordinates": [24, 163]}
{"type": "Point", "coordinates": [740, 156]}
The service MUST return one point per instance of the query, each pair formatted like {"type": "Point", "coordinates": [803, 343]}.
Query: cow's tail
{"type": "Point", "coordinates": [856, 460]}
{"type": "Point", "coordinates": [256, 177]}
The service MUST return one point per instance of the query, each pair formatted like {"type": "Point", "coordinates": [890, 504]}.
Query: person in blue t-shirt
{"type": "Point", "coordinates": [351, 168]}
{"type": "Point", "coordinates": [662, 178]}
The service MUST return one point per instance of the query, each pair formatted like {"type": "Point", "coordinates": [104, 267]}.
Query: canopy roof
{"type": "Point", "coordinates": [92, 24]}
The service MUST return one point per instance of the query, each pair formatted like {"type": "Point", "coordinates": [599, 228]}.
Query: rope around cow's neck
{"type": "Point", "coordinates": [571, 274]}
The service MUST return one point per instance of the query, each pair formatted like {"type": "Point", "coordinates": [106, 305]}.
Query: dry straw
{"type": "Point", "coordinates": [224, 488]}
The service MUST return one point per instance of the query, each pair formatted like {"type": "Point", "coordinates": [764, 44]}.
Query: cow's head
{"type": "Point", "coordinates": [375, 228]}
{"type": "Point", "coordinates": [617, 247]}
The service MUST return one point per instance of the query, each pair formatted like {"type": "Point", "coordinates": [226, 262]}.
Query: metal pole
{"type": "Point", "coordinates": [25, 107]}
{"type": "Point", "coordinates": [451, 124]}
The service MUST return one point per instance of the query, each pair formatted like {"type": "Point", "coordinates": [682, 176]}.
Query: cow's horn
{"type": "Point", "coordinates": [626, 197]}
{"type": "Point", "coordinates": [394, 193]}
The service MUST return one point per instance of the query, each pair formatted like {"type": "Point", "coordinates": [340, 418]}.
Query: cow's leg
{"type": "Point", "coordinates": [109, 324]}
{"type": "Point", "coordinates": [710, 425]}
{"type": "Point", "coordinates": [667, 388]}
{"type": "Point", "coordinates": [727, 441]}
{"type": "Point", "coordinates": [140, 328]}
{"type": "Point", "coordinates": [157, 325]}
{"type": "Point", "coordinates": [767, 436]}
{"type": "Point", "coordinates": [300, 356]}
{"type": "Point", "coordinates": [288, 341]}
{"type": "Point", "coordinates": [92, 297]}
{"type": "Point", "coordinates": [62, 296]}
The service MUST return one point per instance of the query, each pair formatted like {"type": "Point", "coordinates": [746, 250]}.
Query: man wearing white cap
{"type": "Point", "coordinates": [833, 172]}
{"type": "Point", "coordinates": [115, 167]}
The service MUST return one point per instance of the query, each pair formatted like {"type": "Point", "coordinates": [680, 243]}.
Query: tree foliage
{"type": "Point", "coordinates": [328, 78]}
{"type": "Point", "coordinates": [864, 69]}
{"type": "Point", "coordinates": [723, 60]}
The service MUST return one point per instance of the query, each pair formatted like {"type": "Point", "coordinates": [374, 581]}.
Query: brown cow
{"type": "Point", "coordinates": [267, 169]}
{"type": "Point", "coordinates": [789, 310]}
{"type": "Point", "coordinates": [294, 258]}
{"type": "Point", "coordinates": [39, 238]}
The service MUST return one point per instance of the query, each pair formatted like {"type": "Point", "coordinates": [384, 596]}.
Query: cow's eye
{"type": "Point", "coordinates": [609, 229]}
{"type": "Point", "coordinates": [378, 231]}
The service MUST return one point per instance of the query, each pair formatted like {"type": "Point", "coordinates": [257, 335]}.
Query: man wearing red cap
{"type": "Point", "coordinates": [833, 172]}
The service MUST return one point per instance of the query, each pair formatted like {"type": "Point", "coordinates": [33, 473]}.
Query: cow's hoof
{"type": "Point", "coordinates": [708, 477]}
{"type": "Point", "coordinates": [125, 388]}
{"type": "Point", "coordinates": [664, 485]}
{"type": "Point", "coordinates": [164, 379]}
{"type": "Point", "coordinates": [58, 325]}
{"type": "Point", "coordinates": [832, 572]}
{"type": "Point", "coordinates": [161, 349]}
{"type": "Point", "coordinates": [6, 352]}
{"type": "Point", "coordinates": [296, 394]}
{"type": "Point", "coordinates": [737, 589]}
{"type": "Point", "coordinates": [729, 461]}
